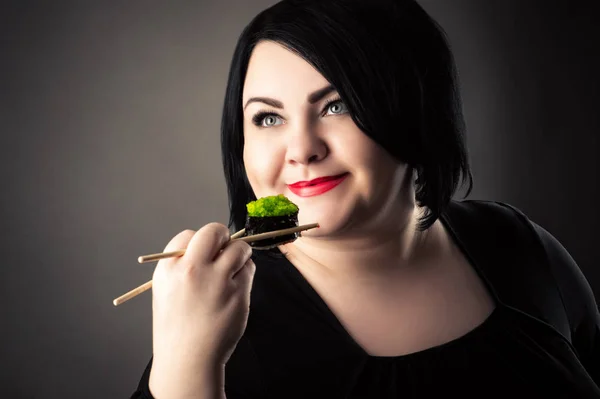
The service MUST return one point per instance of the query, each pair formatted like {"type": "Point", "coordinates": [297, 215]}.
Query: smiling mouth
{"type": "Point", "coordinates": [317, 181]}
{"type": "Point", "coordinates": [306, 189]}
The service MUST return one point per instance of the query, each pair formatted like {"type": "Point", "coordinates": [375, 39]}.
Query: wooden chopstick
{"type": "Point", "coordinates": [256, 237]}
{"type": "Point", "coordinates": [164, 255]}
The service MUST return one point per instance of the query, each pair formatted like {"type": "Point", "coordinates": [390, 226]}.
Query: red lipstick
{"type": "Point", "coordinates": [316, 186]}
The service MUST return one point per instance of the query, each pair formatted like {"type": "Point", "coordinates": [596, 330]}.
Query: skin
{"type": "Point", "coordinates": [368, 223]}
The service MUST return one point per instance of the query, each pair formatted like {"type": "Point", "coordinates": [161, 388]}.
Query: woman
{"type": "Point", "coordinates": [351, 110]}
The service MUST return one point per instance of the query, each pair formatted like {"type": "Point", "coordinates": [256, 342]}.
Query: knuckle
{"type": "Point", "coordinates": [251, 269]}
{"type": "Point", "coordinates": [187, 271]}
{"type": "Point", "coordinates": [247, 250]}
{"type": "Point", "coordinates": [236, 251]}
{"type": "Point", "coordinates": [180, 240]}
{"type": "Point", "coordinates": [216, 230]}
{"type": "Point", "coordinates": [183, 271]}
{"type": "Point", "coordinates": [251, 265]}
{"type": "Point", "coordinates": [184, 235]}
{"type": "Point", "coordinates": [244, 249]}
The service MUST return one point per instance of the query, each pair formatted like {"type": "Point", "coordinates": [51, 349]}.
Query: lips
{"type": "Point", "coordinates": [317, 186]}
{"type": "Point", "coordinates": [314, 182]}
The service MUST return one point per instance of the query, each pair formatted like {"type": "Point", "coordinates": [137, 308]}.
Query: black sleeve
{"type": "Point", "coordinates": [242, 375]}
{"type": "Point", "coordinates": [582, 309]}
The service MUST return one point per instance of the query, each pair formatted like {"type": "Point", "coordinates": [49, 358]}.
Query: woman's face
{"type": "Point", "coordinates": [296, 130]}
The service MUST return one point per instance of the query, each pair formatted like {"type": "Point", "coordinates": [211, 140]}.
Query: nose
{"type": "Point", "coordinates": [305, 147]}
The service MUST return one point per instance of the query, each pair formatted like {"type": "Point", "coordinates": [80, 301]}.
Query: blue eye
{"type": "Point", "coordinates": [265, 119]}
{"type": "Point", "coordinates": [336, 106]}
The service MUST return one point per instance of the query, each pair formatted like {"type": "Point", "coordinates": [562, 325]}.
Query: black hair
{"type": "Point", "coordinates": [393, 68]}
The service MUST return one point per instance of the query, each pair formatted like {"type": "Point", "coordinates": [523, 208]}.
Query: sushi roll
{"type": "Point", "coordinates": [268, 214]}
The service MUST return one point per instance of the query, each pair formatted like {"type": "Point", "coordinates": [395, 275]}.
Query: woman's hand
{"type": "Point", "coordinates": [200, 306]}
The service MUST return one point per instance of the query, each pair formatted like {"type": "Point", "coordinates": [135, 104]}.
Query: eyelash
{"type": "Point", "coordinates": [261, 115]}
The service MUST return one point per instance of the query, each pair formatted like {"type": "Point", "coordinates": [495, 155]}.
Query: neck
{"type": "Point", "coordinates": [374, 253]}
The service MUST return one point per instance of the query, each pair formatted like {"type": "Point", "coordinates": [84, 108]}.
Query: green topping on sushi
{"type": "Point", "coordinates": [275, 205]}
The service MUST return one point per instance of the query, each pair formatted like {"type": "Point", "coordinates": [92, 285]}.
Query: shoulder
{"type": "Point", "coordinates": [472, 215]}
{"type": "Point", "coordinates": [513, 224]}
{"type": "Point", "coordinates": [577, 295]}
{"type": "Point", "coordinates": [489, 210]}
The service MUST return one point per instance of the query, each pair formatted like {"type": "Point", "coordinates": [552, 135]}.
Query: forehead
{"type": "Point", "coordinates": [276, 71]}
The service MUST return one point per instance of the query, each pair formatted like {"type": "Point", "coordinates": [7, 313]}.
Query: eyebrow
{"type": "Point", "coordinates": [312, 98]}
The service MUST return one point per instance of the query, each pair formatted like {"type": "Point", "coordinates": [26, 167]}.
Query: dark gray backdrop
{"type": "Point", "coordinates": [109, 135]}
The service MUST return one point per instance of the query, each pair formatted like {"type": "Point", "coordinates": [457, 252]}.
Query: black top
{"type": "Point", "coordinates": [295, 347]}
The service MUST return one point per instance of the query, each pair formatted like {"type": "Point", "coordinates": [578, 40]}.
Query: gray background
{"type": "Point", "coordinates": [109, 123]}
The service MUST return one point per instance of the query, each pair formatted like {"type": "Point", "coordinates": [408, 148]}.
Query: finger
{"type": "Point", "coordinates": [235, 254]}
{"type": "Point", "coordinates": [245, 272]}
{"type": "Point", "coordinates": [244, 278]}
{"type": "Point", "coordinates": [180, 241]}
{"type": "Point", "coordinates": [206, 244]}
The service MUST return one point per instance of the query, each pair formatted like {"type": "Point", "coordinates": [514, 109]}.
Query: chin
{"type": "Point", "coordinates": [329, 221]}
{"type": "Point", "coordinates": [333, 211]}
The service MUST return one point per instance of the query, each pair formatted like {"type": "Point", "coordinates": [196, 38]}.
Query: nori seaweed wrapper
{"type": "Point", "coordinates": [263, 224]}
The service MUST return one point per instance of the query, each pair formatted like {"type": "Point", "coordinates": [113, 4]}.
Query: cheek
{"type": "Point", "coordinates": [373, 157]}
{"type": "Point", "coordinates": [260, 160]}
{"type": "Point", "coordinates": [357, 150]}
{"type": "Point", "coordinates": [373, 166]}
